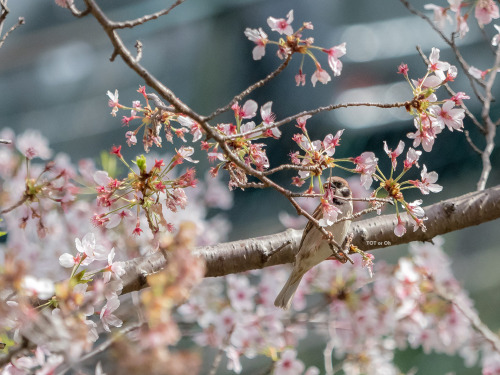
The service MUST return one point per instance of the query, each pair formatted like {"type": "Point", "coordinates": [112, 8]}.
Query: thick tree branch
{"type": "Point", "coordinates": [370, 234]}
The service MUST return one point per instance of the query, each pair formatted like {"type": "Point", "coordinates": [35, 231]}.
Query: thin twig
{"type": "Point", "coordinates": [144, 19]}
{"type": "Point", "coordinates": [474, 147]}
{"type": "Point", "coordinates": [5, 141]}
{"type": "Point", "coordinates": [316, 111]}
{"type": "Point", "coordinates": [247, 91]}
{"type": "Point", "coordinates": [490, 126]}
{"type": "Point", "coordinates": [77, 13]}
{"type": "Point", "coordinates": [138, 46]}
{"type": "Point", "coordinates": [20, 22]}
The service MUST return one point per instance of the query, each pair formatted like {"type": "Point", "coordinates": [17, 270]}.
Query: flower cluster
{"type": "Point", "coordinates": [392, 187]}
{"type": "Point", "coordinates": [293, 43]}
{"type": "Point", "coordinates": [362, 320]}
{"type": "Point", "coordinates": [316, 157]}
{"type": "Point", "coordinates": [32, 189]}
{"type": "Point", "coordinates": [431, 115]}
{"type": "Point", "coordinates": [242, 142]}
{"type": "Point", "coordinates": [152, 120]}
{"type": "Point", "coordinates": [484, 10]}
{"type": "Point", "coordinates": [150, 189]}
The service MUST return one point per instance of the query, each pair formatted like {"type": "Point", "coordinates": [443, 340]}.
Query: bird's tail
{"type": "Point", "coordinates": [284, 299]}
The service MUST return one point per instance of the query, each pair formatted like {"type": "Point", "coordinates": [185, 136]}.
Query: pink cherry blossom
{"type": "Point", "coordinates": [64, 3]}
{"type": "Point", "coordinates": [486, 11]}
{"type": "Point", "coordinates": [259, 37]}
{"type": "Point", "coordinates": [41, 288]}
{"type": "Point", "coordinates": [248, 110]}
{"type": "Point", "coordinates": [366, 164]}
{"type": "Point", "coordinates": [435, 65]}
{"type": "Point", "coordinates": [449, 116]}
{"type": "Point", "coordinates": [394, 154]}
{"type": "Point", "coordinates": [477, 73]}
{"type": "Point", "coordinates": [403, 69]}
{"type": "Point", "coordinates": [334, 54]}
{"type": "Point", "coordinates": [400, 228]}
{"type": "Point", "coordinates": [330, 142]}
{"type": "Point", "coordinates": [462, 26]}
{"type": "Point", "coordinates": [131, 138]}
{"type": "Point", "coordinates": [426, 133]}
{"type": "Point", "coordinates": [320, 75]}
{"type": "Point", "coordinates": [458, 97]}
{"type": "Point", "coordinates": [240, 293]}
{"type": "Point", "coordinates": [415, 208]}
{"type": "Point", "coordinates": [32, 144]}
{"type": "Point", "coordinates": [113, 102]}
{"type": "Point", "coordinates": [192, 125]}
{"type": "Point", "coordinates": [107, 316]}
{"type": "Point", "coordinates": [412, 157]}
{"type": "Point", "coordinates": [281, 25]}
{"type": "Point", "coordinates": [427, 183]}
{"type": "Point", "coordinates": [440, 15]}
{"type": "Point", "coordinates": [301, 122]}
{"type": "Point", "coordinates": [288, 364]}
{"type": "Point", "coordinates": [300, 79]}
{"type": "Point", "coordinates": [455, 5]}
{"type": "Point", "coordinates": [113, 268]}
{"type": "Point", "coordinates": [330, 213]}
{"type": "Point", "coordinates": [184, 153]}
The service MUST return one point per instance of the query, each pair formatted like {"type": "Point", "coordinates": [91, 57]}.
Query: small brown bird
{"type": "Point", "coordinates": [313, 247]}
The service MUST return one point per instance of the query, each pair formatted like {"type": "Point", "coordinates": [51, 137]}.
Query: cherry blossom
{"type": "Point", "coordinates": [412, 157]}
{"type": "Point", "coordinates": [400, 228]}
{"type": "Point", "coordinates": [330, 142]}
{"type": "Point", "coordinates": [42, 288]}
{"type": "Point", "coordinates": [440, 15]}
{"type": "Point", "coordinates": [240, 293]}
{"type": "Point", "coordinates": [259, 37]}
{"type": "Point", "coordinates": [64, 3]}
{"type": "Point", "coordinates": [449, 116]}
{"type": "Point", "coordinates": [320, 75]}
{"type": "Point", "coordinates": [113, 102]}
{"type": "Point", "coordinates": [435, 65]}
{"type": "Point", "coordinates": [462, 26]}
{"type": "Point", "coordinates": [477, 73]}
{"type": "Point", "coordinates": [184, 153]}
{"type": "Point", "coordinates": [107, 317]}
{"type": "Point", "coordinates": [458, 97]}
{"type": "Point", "coordinates": [113, 268]}
{"type": "Point", "coordinates": [300, 79]}
{"type": "Point", "coordinates": [486, 11]}
{"type": "Point", "coordinates": [394, 154]}
{"type": "Point", "coordinates": [334, 54]}
{"type": "Point", "coordinates": [427, 183]}
{"type": "Point", "coordinates": [403, 69]}
{"type": "Point", "coordinates": [288, 364]}
{"type": "Point", "coordinates": [366, 164]}
{"type": "Point", "coordinates": [330, 213]}
{"type": "Point", "coordinates": [33, 145]}
{"type": "Point", "coordinates": [427, 131]}
{"type": "Point", "coordinates": [192, 125]}
{"type": "Point", "coordinates": [281, 25]}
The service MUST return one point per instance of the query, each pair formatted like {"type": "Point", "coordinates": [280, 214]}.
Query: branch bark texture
{"type": "Point", "coordinates": [369, 234]}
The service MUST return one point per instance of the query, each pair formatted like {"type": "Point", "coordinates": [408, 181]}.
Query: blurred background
{"type": "Point", "coordinates": [55, 71]}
